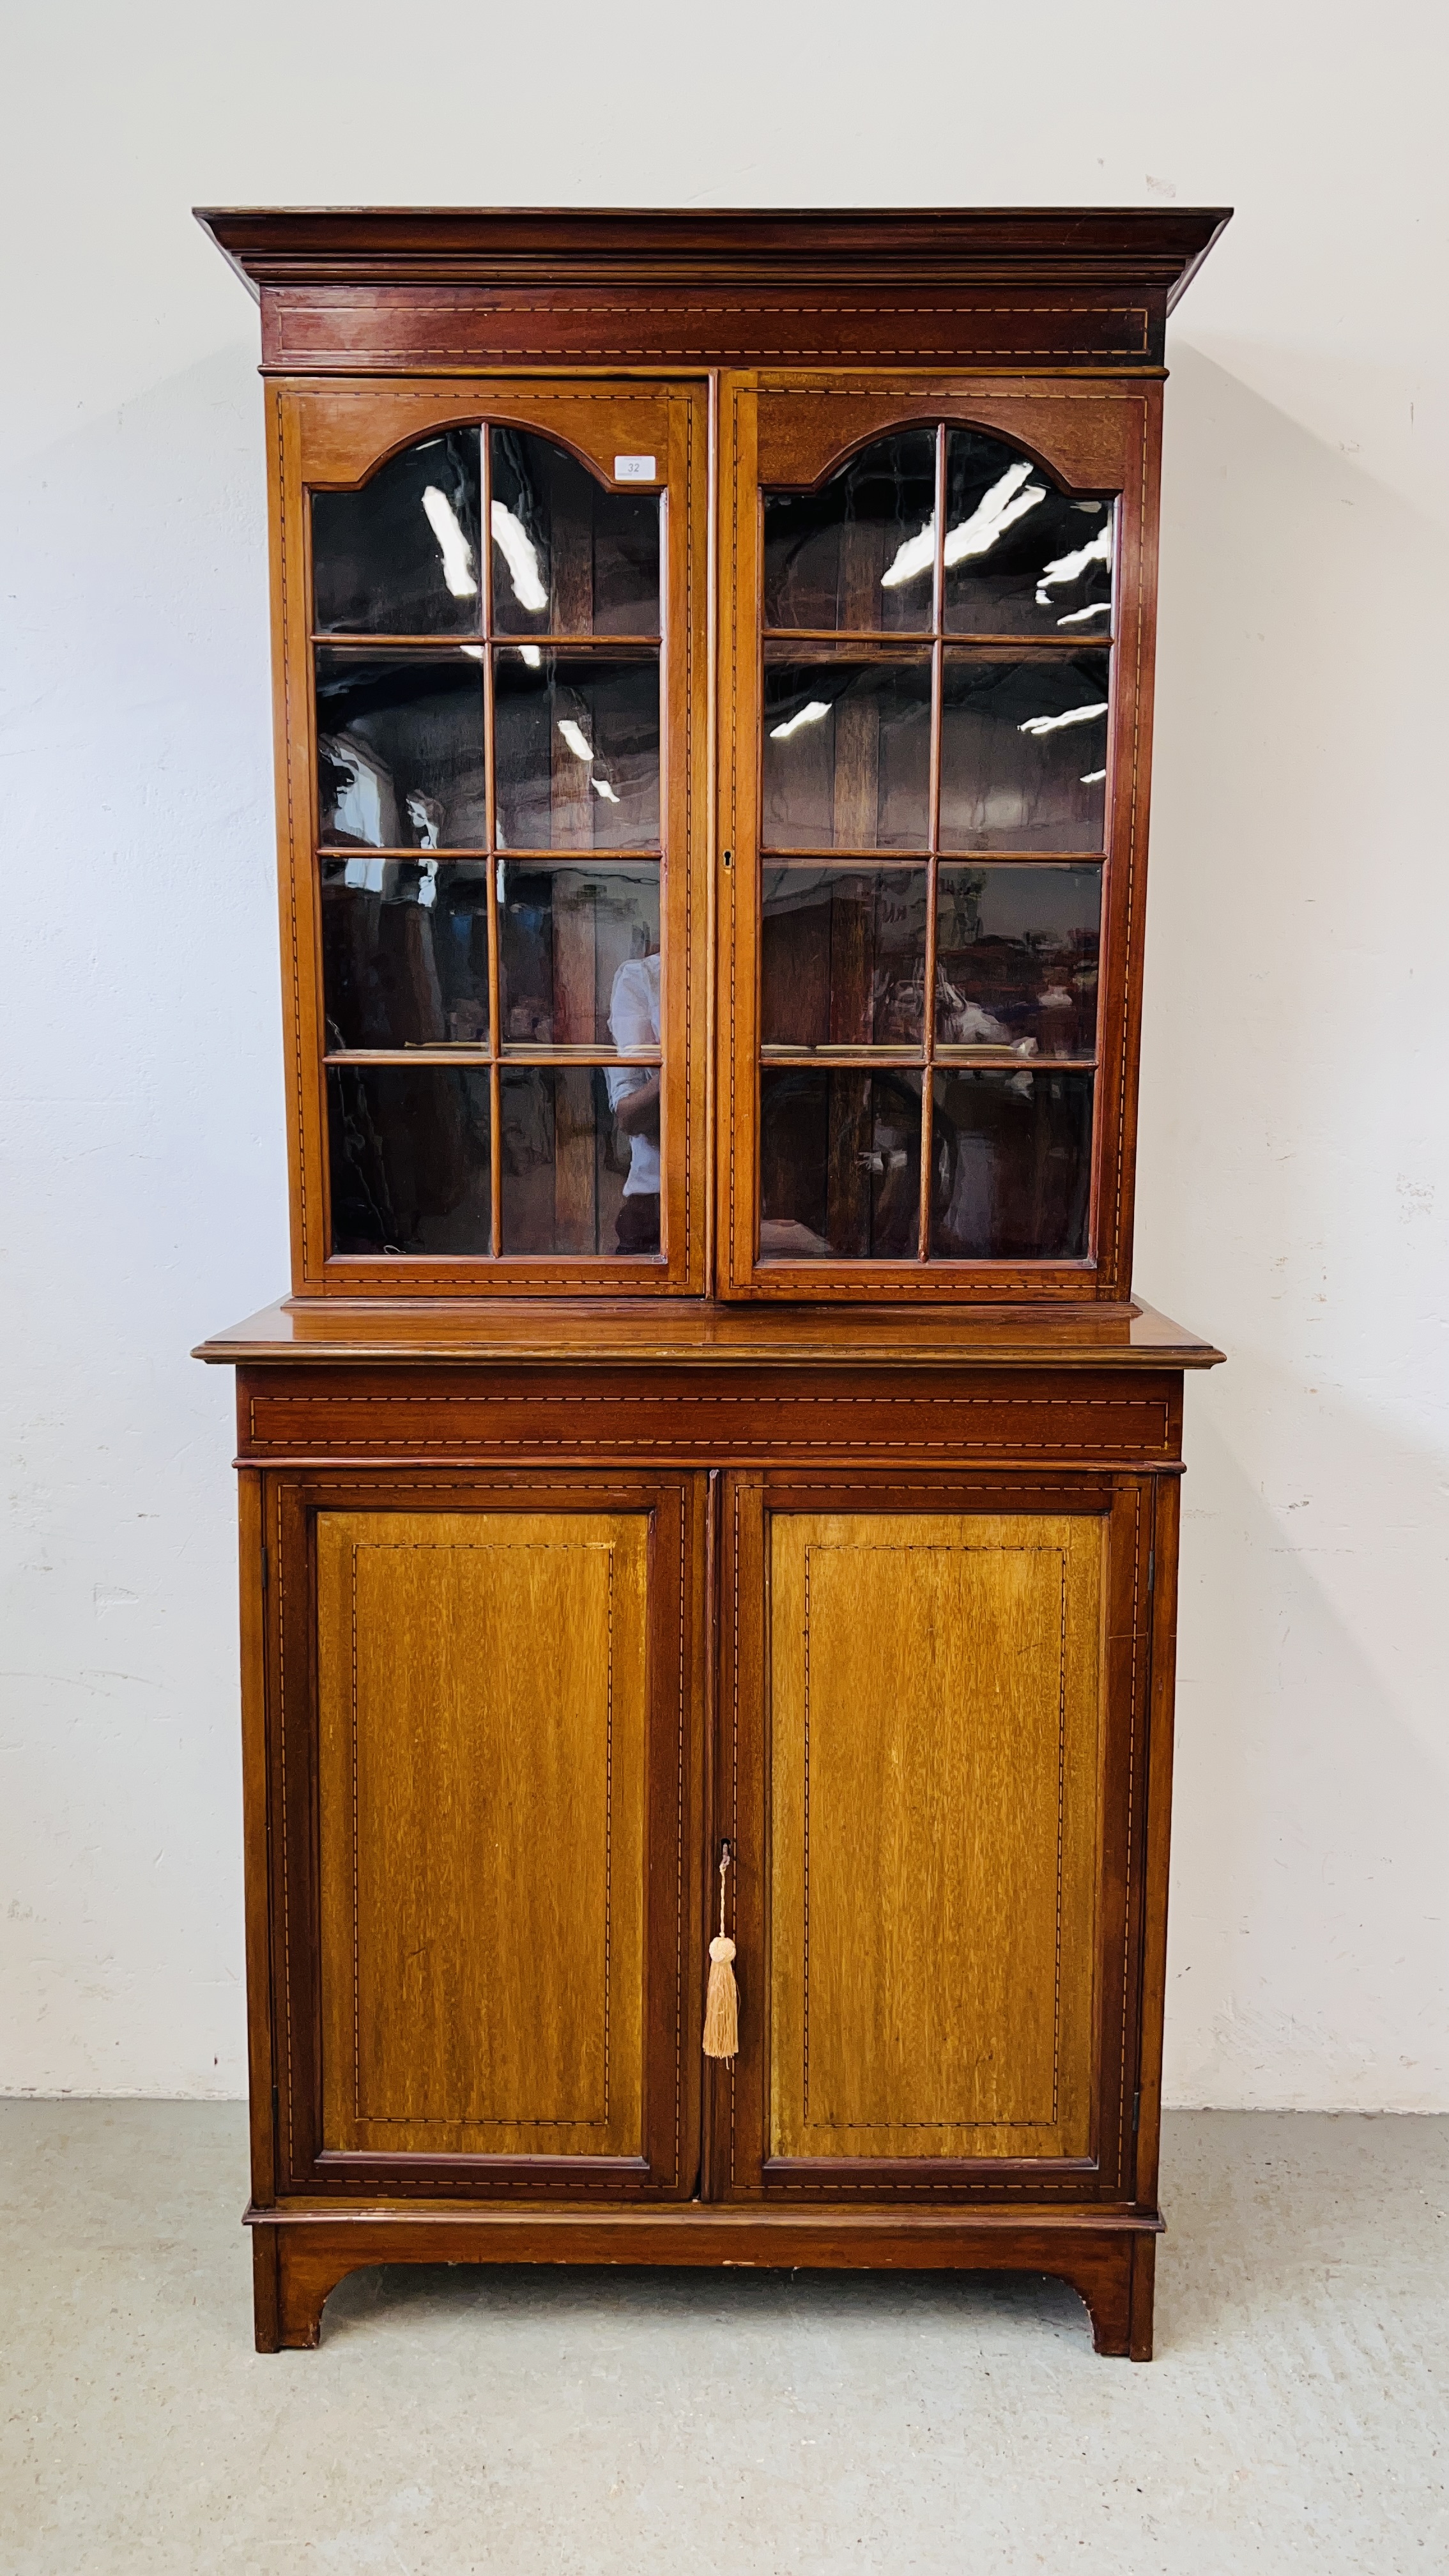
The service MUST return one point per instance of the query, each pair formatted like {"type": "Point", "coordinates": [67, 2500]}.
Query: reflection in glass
{"type": "Point", "coordinates": [1021, 558]}
{"type": "Point", "coordinates": [847, 754]}
{"type": "Point", "coordinates": [564, 935]}
{"type": "Point", "coordinates": [1024, 752]}
{"type": "Point", "coordinates": [577, 749]}
{"type": "Point", "coordinates": [405, 952]}
{"type": "Point", "coordinates": [1014, 1157]}
{"type": "Point", "coordinates": [857, 554]}
{"type": "Point", "coordinates": [1016, 958]}
{"type": "Point", "coordinates": [840, 1160]}
{"type": "Point", "coordinates": [402, 556]}
{"type": "Point", "coordinates": [409, 1158]}
{"type": "Point", "coordinates": [569, 556]}
{"type": "Point", "coordinates": [568, 1159]}
{"type": "Point", "coordinates": [400, 750]}
{"type": "Point", "coordinates": [842, 956]}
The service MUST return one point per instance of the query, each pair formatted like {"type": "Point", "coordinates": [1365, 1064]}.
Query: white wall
{"type": "Point", "coordinates": [1295, 1175]}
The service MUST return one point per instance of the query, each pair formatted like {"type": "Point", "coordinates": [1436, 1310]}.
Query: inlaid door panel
{"type": "Point", "coordinates": [931, 1775]}
{"type": "Point", "coordinates": [487, 1904]}
{"type": "Point", "coordinates": [933, 1832]}
{"type": "Point", "coordinates": [481, 1693]}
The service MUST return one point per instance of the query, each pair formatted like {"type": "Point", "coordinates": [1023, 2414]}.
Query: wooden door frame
{"type": "Point", "coordinates": [791, 427]}
{"type": "Point", "coordinates": [280, 1721]}
{"type": "Point", "coordinates": [736, 2163]}
{"type": "Point", "coordinates": [333, 436]}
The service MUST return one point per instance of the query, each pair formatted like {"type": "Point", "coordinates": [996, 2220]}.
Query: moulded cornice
{"type": "Point", "coordinates": [1146, 247]}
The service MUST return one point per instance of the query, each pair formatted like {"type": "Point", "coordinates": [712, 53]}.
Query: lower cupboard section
{"type": "Point", "coordinates": [505, 1723]}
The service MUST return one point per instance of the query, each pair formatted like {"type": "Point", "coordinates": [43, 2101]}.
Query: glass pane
{"type": "Point", "coordinates": [840, 1161]}
{"type": "Point", "coordinates": [569, 556]}
{"type": "Point", "coordinates": [410, 1158]}
{"type": "Point", "coordinates": [405, 952]}
{"type": "Point", "coordinates": [842, 956]}
{"type": "Point", "coordinates": [1024, 753]}
{"type": "Point", "coordinates": [400, 750]}
{"type": "Point", "coordinates": [1020, 557]}
{"type": "Point", "coordinates": [577, 751]}
{"type": "Point", "coordinates": [401, 557]}
{"type": "Point", "coordinates": [857, 554]}
{"type": "Point", "coordinates": [579, 954]}
{"type": "Point", "coordinates": [581, 1159]}
{"type": "Point", "coordinates": [1013, 1155]}
{"type": "Point", "coordinates": [847, 754]}
{"type": "Point", "coordinates": [1016, 958]}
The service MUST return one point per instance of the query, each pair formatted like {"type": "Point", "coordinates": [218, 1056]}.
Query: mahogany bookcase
{"type": "Point", "coordinates": [710, 1422]}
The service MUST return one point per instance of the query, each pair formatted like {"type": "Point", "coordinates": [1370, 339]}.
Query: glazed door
{"type": "Point", "coordinates": [929, 1746]}
{"type": "Point", "coordinates": [504, 1777]}
{"type": "Point", "coordinates": [935, 730]}
{"type": "Point", "coordinates": [492, 653]}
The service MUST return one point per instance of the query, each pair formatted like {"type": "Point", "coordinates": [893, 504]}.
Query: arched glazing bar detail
{"type": "Point", "coordinates": [936, 688]}
{"type": "Point", "coordinates": [489, 852]}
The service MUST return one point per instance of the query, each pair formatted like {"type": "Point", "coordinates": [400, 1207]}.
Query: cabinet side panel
{"type": "Point", "coordinates": [481, 1684]}
{"type": "Point", "coordinates": [252, 1562]}
{"type": "Point", "coordinates": [934, 1771]}
{"type": "Point", "coordinates": [1159, 1834]}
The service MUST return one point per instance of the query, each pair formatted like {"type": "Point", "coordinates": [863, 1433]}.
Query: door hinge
{"type": "Point", "coordinates": [1151, 1567]}
{"type": "Point", "coordinates": [266, 1569]}
{"type": "Point", "coordinates": [1136, 2111]}
{"type": "Point", "coordinates": [276, 2116]}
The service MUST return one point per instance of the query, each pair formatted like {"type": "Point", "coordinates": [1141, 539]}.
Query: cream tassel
{"type": "Point", "coordinates": [722, 2002]}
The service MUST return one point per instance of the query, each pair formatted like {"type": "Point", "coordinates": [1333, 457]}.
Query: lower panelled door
{"type": "Point", "coordinates": [503, 1725]}
{"type": "Point", "coordinates": [932, 1922]}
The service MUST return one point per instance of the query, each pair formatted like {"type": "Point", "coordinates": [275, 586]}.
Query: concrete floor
{"type": "Point", "coordinates": [555, 2424]}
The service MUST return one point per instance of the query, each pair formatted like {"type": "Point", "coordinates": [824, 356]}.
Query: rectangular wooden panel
{"type": "Point", "coordinates": [482, 1739]}
{"type": "Point", "coordinates": [934, 1794]}
{"type": "Point", "coordinates": [400, 329]}
{"type": "Point", "coordinates": [705, 1415]}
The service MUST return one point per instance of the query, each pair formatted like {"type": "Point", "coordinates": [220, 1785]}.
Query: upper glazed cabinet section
{"type": "Point", "coordinates": [714, 693]}
{"type": "Point", "coordinates": [491, 732]}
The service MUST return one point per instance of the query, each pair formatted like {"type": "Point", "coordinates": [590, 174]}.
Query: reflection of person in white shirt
{"type": "Point", "coordinates": [634, 1099]}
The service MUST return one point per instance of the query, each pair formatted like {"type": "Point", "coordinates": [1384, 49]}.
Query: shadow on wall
{"type": "Point", "coordinates": [1293, 1200]}
{"type": "Point", "coordinates": [1306, 1963]}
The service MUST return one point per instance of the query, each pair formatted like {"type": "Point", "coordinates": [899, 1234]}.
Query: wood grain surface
{"type": "Point", "coordinates": [1068, 1338]}
{"type": "Point", "coordinates": [481, 1702]}
{"type": "Point", "coordinates": [934, 1788]}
